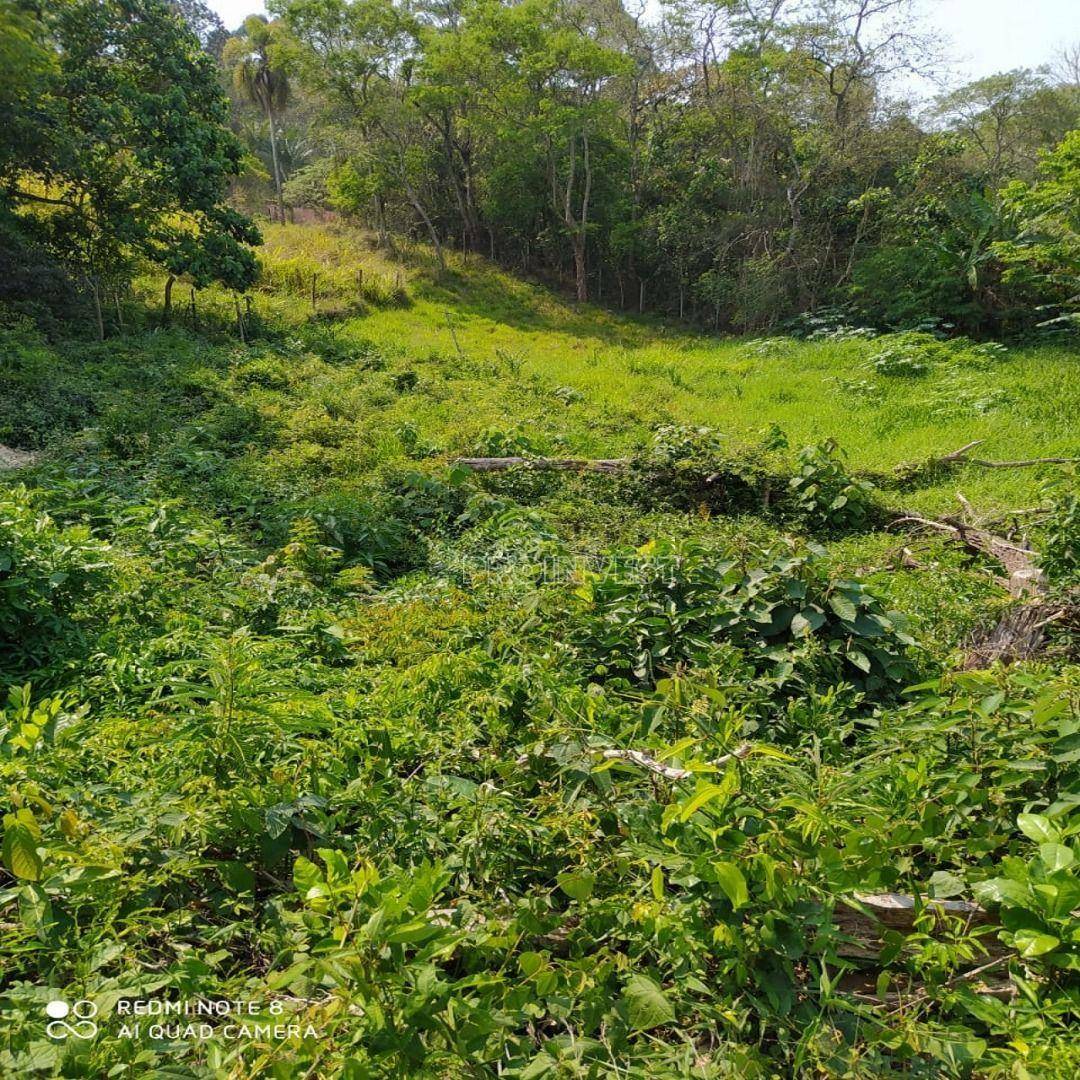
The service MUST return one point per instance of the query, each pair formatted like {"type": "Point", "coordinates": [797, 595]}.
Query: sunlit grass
{"type": "Point", "coordinates": [491, 350]}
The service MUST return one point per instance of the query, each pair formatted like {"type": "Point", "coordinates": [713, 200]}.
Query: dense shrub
{"type": "Point", "coordinates": [365, 531]}
{"type": "Point", "coordinates": [46, 574]}
{"type": "Point", "coordinates": [665, 606]}
{"type": "Point", "coordinates": [1061, 536]}
{"type": "Point", "coordinates": [685, 465]}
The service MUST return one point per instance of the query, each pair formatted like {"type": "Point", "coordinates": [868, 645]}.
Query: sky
{"type": "Point", "coordinates": [980, 36]}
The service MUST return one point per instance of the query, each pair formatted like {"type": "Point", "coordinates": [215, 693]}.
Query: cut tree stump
{"type": "Point", "coordinates": [1019, 634]}
{"type": "Point", "coordinates": [867, 916]}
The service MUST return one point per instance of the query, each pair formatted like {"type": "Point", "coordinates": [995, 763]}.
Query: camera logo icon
{"type": "Point", "coordinates": [80, 1026]}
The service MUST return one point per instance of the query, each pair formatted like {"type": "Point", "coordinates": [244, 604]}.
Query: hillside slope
{"type": "Point", "coordinates": [527, 774]}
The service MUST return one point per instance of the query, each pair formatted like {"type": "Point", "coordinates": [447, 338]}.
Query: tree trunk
{"type": "Point", "coordinates": [419, 208]}
{"type": "Point", "coordinates": [581, 272]}
{"type": "Point", "coordinates": [380, 222]}
{"type": "Point", "coordinates": [579, 251]}
{"type": "Point", "coordinates": [97, 309]}
{"type": "Point", "coordinates": [277, 170]}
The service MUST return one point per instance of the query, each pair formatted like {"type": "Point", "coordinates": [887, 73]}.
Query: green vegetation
{"type": "Point", "coordinates": [116, 156]}
{"type": "Point", "coordinates": [300, 712]}
{"type": "Point", "coordinates": [407, 672]}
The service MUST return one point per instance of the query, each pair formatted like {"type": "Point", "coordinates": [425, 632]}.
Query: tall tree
{"type": "Point", "coordinates": [259, 74]}
{"type": "Point", "coordinates": [205, 24]}
{"type": "Point", "coordinates": [361, 56]}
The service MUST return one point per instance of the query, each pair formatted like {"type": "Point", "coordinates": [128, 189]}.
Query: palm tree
{"type": "Point", "coordinates": [262, 81]}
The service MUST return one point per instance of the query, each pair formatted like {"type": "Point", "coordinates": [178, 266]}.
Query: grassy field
{"type": "Point", "coordinates": [302, 714]}
{"type": "Point", "coordinates": [615, 377]}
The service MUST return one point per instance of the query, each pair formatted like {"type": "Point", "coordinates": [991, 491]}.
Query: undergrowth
{"type": "Point", "coordinates": [298, 711]}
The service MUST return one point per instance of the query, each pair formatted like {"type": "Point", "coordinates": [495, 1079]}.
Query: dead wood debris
{"type": "Point", "coordinates": [651, 764]}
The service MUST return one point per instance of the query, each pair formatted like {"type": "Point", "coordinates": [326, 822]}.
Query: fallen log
{"type": "Point", "coordinates": [987, 980]}
{"type": "Point", "coordinates": [500, 464]}
{"type": "Point", "coordinates": [960, 456]}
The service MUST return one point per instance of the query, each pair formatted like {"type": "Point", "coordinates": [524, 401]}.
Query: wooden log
{"type": "Point", "coordinates": [987, 980]}
{"type": "Point", "coordinates": [501, 464]}
{"type": "Point", "coordinates": [1018, 562]}
{"type": "Point", "coordinates": [11, 458]}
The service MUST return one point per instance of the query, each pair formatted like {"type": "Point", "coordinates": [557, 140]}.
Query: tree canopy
{"type": "Point", "coordinates": [736, 163]}
{"type": "Point", "coordinates": [117, 148]}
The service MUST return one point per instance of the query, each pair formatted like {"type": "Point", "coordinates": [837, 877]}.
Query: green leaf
{"type": "Point", "coordinates": [1002, 891]}
{"type": "Point", "coordinates": [530, 963]}
{"type": "Point", "coordinates": [1056, 856]}
{"type": "Point", "coordinates": [578, 886]}
{"type": "Point", "coordinates": [843, 607]}
{"type": "Point", "coordinates": [20, 852]}
{"type": "Point", "coordinates": [656, 883]}
{"type": "Point", "coordinates": [306, 875]}
{"type": "Point", "coordinates": [730, 878]}
{"type": "Point", "coordinates": [944, 884]}
{"type": "Point", "coordinates": [705, 794]}
{"type": "Point", "coordinates": [1038, 828]}
{"type": "Point", "coordinates": [860, 660]}
{"type": "Point", "coordinates": [807, 621]}
{"type": "Point", "coordinates": [1033, 943]}
{"type": "Point", "coordinates": [646, 1005]}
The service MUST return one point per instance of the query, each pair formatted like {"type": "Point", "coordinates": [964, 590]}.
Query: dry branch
{"type": "Point", "coordinates": [638, 757]}
{"type": "Point", "coordinates": [961, 457]}
{"type": "Point", "coordinates": [648, 762]}
{"type": "Point", "coordinates": [1018, 562]}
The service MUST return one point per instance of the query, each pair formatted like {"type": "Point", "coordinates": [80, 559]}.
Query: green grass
{"type": "Point", "coordinates": [592, 382]}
